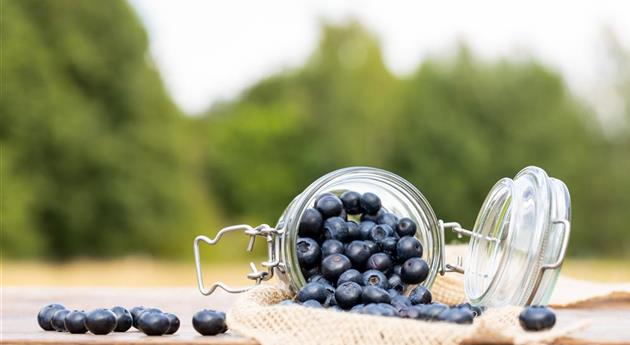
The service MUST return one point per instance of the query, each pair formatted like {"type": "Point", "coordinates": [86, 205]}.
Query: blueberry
{"type": "Point", "coordinates": [397, 269]}
{"type": "Point", "coordinates": [310, 223]}
{"type": "Point", "coordinates": [286, 302]}
{"type": "Point", "coordinates": [414, 271]}
{"type": "Point", "coordinates": [372, 217]}
{"type": "Point", "coordinates": [393, 292]}
{"type": "Point", "coordinates": [406, 227]}
{"type": "Point", "coordinates": [152, 323]}
{"type": "Point", "coordinates": [308, 252]}
{"type": "Point", "coordinates": [336, 228]}
{"type": "Point", "coordinates": [310, 272]}
{"type": "Point", "coordinates": [329, 206]}
{"type": "Point", "coordinates": [372, 246]}
{"type": "Point", "coordinates": [330, 295]}
{"type": "Point", "coordinates": [411, 312]}
{"type": "Point", "coordinates": [357, 308]}
{"type": "Point", "coordinates": [388, 219]}
{"type": "Point", "coordinates": [380, 261]}
{"type": "Point", "coordinates": [379, 309]}
{"type": "Point", "coordinates": [351, 202]}
{"type": "Point", "coordinates": [537, 318]}
{"type": "Point", "coordinates": [316, 291]}
{"type": "Point", "coordinates": [456, 315]}
{"type": "Point", "coordinates": [44, 317]}
{"type": "Point", "coordinates": [370, 203]}
{"type": "Point", "coordinates": [75, 322]}
{"type": "Point", "coordinates": [477, 310]}
{"type": "Point", "coordinates": [135, 315]}
{"type": "Point", "coordinates": [332, 247]}
{"type": "Point", "coordinates": [334, 265]}
{"type": "Point", "coordinates": [379, 232]}
{"type": "Point", "coordinates": [373, 294]}
{"type": "Point", "coordinates": [343, 215]}
{"type": "Point", "coordinates": [353, 231]}
{"type": "Point", "coordinates": [388, 245]}
{"type": "Point", "coordinates": [123, 319]}
{"type": "Point", "coordinates": [408, 247]}
{"type": "Point", "coordinates": [311, 303]}
{"type": "Point", "coordinates": [321, 196]}
{"type": "Point", "coordinates": [209, 322]}
{"type": "Point", "coordinates": [350, 275]}
{"type": "Point", "coordinates": [173, 323]}
{"type": "Point", "coordinates": [400, 302]}
{"type": "Point", "coordinates": [58, 320]}
{"type": "Point", "coordinates": [348, 295]}
{"type": "Point", "coordinates": [420, 295]}
{"type": "Point", "coordinates": [149, 310]}
{"type": "Point", "coordinates": [100, 321]}
{"type": "Point", "coordinates": [431, 311]}
{"type": "Point", "coordinates": [375, 278]}
{"type": "Point", "coordinates": [364, 229]}
{"type": "Point", "coordinates": [318, 279]}
{"type": "Point", "coordinates": [394, 282]}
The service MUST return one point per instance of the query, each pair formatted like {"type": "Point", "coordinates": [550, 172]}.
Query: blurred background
{"type": "Point", "coordinates": [127, 128]}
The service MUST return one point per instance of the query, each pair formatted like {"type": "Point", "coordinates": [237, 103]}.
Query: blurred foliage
{"type": "Point", "coordinates": [453, 128]}
{"type": "Point", "coordinates": [98, 161]}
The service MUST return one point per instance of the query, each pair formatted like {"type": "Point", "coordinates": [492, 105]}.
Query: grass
{"type": "Point", "coordinates": [139, 272]}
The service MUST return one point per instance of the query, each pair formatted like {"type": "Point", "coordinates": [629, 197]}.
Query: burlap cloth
{"type": "Point", "coordinates": [254, 315]}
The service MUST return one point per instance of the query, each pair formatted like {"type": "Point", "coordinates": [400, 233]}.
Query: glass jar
{"type": "Point", "coordinates": [515, 252]}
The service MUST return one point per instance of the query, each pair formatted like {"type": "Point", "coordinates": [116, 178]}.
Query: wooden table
{"type": "Point", "coordinates": [610, 323]}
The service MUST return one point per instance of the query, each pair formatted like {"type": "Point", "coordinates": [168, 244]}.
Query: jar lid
{"type": "Point", "coordinates": [518, 241]}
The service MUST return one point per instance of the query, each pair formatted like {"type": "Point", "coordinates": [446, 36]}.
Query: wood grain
{"type": "Point", "coordinates": [610, 322]}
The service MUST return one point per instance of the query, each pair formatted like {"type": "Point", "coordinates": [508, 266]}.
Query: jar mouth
{"type": "Point", "coordinates": [397, 195]}
{"type": "Point", "coordinates": [514, 237]}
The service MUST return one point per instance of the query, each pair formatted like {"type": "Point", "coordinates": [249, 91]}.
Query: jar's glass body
{"type": "Point", "coordinates": [397, 196]}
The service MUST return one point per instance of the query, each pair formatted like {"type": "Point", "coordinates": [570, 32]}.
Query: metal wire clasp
{"type": "Point", "coordinates": [273, 250]}
{"type": "Point", "coordinates": [460, 232]}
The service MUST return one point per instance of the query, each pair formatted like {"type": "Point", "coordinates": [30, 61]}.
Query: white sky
{"type": "Point", "coordinates": [212, 50]}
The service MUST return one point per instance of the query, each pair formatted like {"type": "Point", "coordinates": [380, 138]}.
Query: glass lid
{"type": "Point", "coordinates": [518, 241]}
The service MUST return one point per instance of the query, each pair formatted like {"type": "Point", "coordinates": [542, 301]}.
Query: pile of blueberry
{"type": "Point", "coordinates": [150, 321]}
{"type": "Point", "coordinates": [356, 256]}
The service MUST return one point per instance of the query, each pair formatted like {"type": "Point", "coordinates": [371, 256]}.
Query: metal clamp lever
{"type": "Point", "coordinates": [273, 244]}
{"type": "Point", "coordinates": [461, 232]}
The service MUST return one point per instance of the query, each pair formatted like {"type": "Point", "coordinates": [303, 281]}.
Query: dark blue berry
{"type": "Point", "coordinates": [123, 319]}
{"type": "Point", "coordinates": [375, 278]}
{"type": "Point", "coordinates": [350, 275]}
{"type": "Point", "coordinates": [358, 252]}
{"type": "Point", "coordinates": [334, 265]}
{"type": "Point", "coordinates": [75, 322]}
{"type": "Point", "coordinates": [381, 262]}
{"type": "Point", "coordinates": [308, 252]}
{"type": "Point", "coordinates": [431, 311]}
{"type": "Point", "coordinates": [379, 309]}
{"type": "Point", "coordinates": [318, 279]}
{"type": "Point", "coordinates": [372, 217]}
{"type": "Point", "coordinates": [153, 323]}
{"type": "Point", "coordinates": [332, 247]}
{"type": "Point", "coordinates": [456, 315]}
{"type": "Point", "coordinates": [311, 303]}
{"type": "Point", "coordinates": [44, 317]}
{"type": "Point", "coordinates": [364, 229]}
{"type": "Point", "coordinates": [330, 296]}
{"type": "Point", "coordinates": [353, 231]}
{"type": "Point", "coordinates": [310, 272]}
{"type": "Point", "coordinates": [100, 321]}
{"type": "Point", "coordinates": [370, 203]}
{"type": "Point", "coordinates": [372, 246]}
{"type": "Point", "coordinates": [329, 206]}
{"type": "Point", "coordinates": [411, 312]}
{"type": "Point", "coordinates": [388, 219]}
{"type": "Point", "coordinates": [414, 271]}
{"type": "Point", "coordinates": [394, 282]}
{"type": "Point", "coordinates": [58, 320]}
{"type": "Point", "coordinates": [357, 308]}
{"type": "Point", "coordinates": [336, 228]}
{"type": "Point", "coordinates": [399, 302]}
{"type": "Point", "coordinates": [388, 245]}
{"type": "Point", "coordinates": [348, 294]}
{"type": "Point", "coordinates": [286, 302]}
{"type": "Point", "coordinates": [310, 223]}
{"type": "Point", "coordinates": [397, 269]}
{"type": "Point", "coordinates": [379, 232]}
{"type": "Point", "coordinates": [420, 295]}
{"type": "Point", "coordinates": [316, 291]}
{"type": "Point", "coordinates": [408, 247]}
{"type": "Point", "coordinates": [135, 314]}
{"type": "Point", "coordinates": [477, 310]}
{"type": "Point", "coordinates": [209, 322]}
{"type": "Point", "coordinates": [406, 227]}
{"type": "Point", "coordinates": [351, 202]}
{"type": "Point", "coordinates": [173, 323]}
{"type": "Point", "coordinates": [537, 318]}
{"type": "Point", "coordinates": [373, 294]}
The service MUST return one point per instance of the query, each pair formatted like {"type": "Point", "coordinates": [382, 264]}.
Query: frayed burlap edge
{"type": "Point", "coordinates": [255, 315]}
